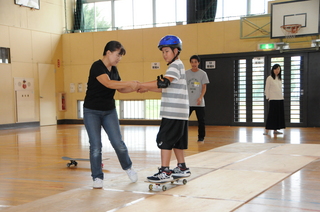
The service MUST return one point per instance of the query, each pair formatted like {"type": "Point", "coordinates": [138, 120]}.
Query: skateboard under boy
{"type": "Point", "coordinates": [163, 184]}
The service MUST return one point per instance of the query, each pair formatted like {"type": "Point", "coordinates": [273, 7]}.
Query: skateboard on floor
{"type": "Point", "coordinates": [163, 184]}
{"type": "Point", "coordinates": [73, 161]}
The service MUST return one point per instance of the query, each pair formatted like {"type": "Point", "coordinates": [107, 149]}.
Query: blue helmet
{"type": "Point", "coordinates": [170, 41]}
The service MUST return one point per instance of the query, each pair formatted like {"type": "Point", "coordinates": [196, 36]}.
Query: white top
{"type": "Point", "coordinates": [273, 89]}
{"type": "Point", "coordinates": [195, 80]}
{"type": "Point", "coordinates": [174, 99]}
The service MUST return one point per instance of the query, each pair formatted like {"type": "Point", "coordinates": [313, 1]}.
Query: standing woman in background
{"type": "Point", "coordinates": [273, 92]}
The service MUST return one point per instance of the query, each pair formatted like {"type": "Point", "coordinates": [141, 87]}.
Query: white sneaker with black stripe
{"type": "Point", "coordinates": [161, 176]}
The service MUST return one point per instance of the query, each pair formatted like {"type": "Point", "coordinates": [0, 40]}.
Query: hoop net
{"type": "Point", "coordinates": [290, 30]}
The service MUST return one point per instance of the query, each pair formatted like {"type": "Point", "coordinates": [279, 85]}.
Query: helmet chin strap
{"type": "Point", "coordinates": [175, 57]}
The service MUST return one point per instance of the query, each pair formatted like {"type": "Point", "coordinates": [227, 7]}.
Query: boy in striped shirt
{"type": "Point", "coordinates": [174, 111]}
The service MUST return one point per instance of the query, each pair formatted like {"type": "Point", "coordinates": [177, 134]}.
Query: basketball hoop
{"type": "Point", "coordinates": [290, 30]}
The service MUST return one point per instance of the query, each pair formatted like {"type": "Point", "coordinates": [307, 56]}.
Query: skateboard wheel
{"type": "Point", "coordinates": [68, 164]}
{"type": "Point", "coordinates": [150, 187]}
{"type": "Point", "coordinates": [184, 181]}
{"type": "Point", "coordinates": [164, 188]}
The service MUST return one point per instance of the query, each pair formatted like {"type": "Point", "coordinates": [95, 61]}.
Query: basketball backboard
{"type": "Point", "coordinates": [304, 12]}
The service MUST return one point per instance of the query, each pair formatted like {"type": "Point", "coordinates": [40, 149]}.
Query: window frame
{"type": "Point", "coordinates": [148, 109]}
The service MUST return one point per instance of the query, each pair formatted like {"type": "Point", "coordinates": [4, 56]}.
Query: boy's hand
{"type": "Point", "coordinates": [142, 88]}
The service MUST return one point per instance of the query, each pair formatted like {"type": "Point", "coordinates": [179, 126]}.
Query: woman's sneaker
{"type": "Point", "coordinates": [97, 183]}
{"type": "Point", "coordinates": [132, 174]}
{"type": "Point", "coordinates": [161, 176]}
{"type": "Point", "coordinates": [178, 172]}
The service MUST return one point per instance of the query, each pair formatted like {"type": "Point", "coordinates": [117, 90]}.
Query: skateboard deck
{"type": "Point", "coordinates": [73, 161]}
{"type": "Point", "coordinates": [163, 184]}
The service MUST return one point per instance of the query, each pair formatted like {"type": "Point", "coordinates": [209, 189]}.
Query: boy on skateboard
{"type": "Point", "coordinates": [173, 132]}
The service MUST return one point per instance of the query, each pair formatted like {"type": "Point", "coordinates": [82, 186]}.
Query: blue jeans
{"type": "Point", "coordinates": [93, 120]}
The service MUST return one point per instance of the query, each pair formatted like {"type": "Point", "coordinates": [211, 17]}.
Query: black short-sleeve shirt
{"type": "Point", "coordinates": [99, 97]}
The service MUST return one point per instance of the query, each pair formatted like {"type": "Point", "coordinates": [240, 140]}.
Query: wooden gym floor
{"type": "Point", "coordinates": [234, 169]}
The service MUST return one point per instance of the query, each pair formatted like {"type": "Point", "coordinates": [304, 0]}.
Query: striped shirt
{"type": "Point", "coordinates": [174, 99]}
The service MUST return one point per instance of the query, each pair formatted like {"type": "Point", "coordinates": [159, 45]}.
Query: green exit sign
{"type": "Point", "coordinates": [266, 46]}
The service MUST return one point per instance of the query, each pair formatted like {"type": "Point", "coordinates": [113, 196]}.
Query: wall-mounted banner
{"type": "Point", "coordinates": [210, 64]}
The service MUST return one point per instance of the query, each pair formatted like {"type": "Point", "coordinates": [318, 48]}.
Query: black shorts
{"type": "Point", "coordinates": [173, 133]}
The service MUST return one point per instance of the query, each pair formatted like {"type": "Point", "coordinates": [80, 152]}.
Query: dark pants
{"type": "Point", "coordinates": [173, 133]}
{"type": "Point", "coordinates": [275, 119]}
{"type": "Point", "coordinates": [201, 121]}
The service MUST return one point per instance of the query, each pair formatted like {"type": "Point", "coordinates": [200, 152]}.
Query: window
{"type": "Point", "coordinates": [131, 14]}
{"type": "Point", "coordinates": [97, 16]}
{"type": "Point", "coordinates": [152, 108]}
{"type": "Point", "coordinates": [258, 89]}
{"type": "Point", "coordinates": [142, 7]}
{"type": "Point", "coordinates": [168, 12]}
{"type": "Point", "coordinates": [133, 109]}
{"type": "Point", "coordinates": [230, 9]}
{"type": "Point", "coordinates": [249, 90]}
{"type": "Point", "coordinates": [233, 10]}
{"type": "Point", "coordinates": [258, 7]}
{"type": "Point", "coordinates": [102, 15]}
{"type": "Point", "coordinates": [123, 14]}
{"type": "Point", "coordinates": [5, 55]}
{"type": "Point", "coordinates": [250, 105]}
{"type": "Point", "coordinates": [240, 77]}
{"type": "Point", "coordinates": [295, 89]}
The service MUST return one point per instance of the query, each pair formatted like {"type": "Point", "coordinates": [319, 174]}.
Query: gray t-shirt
{"type": "Point", "coordinates": [195, 80]}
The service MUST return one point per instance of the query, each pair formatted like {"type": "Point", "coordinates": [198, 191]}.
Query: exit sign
{"type": "Point", "coordinates": [266, 46]}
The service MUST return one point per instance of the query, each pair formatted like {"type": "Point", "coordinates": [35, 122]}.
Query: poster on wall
{"type": "Point", "coordinates": [23, 84]}
{"type": "Point", "coordinates": [34, 4]}
{"type": "Point", "coordinates": [25, 99]}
